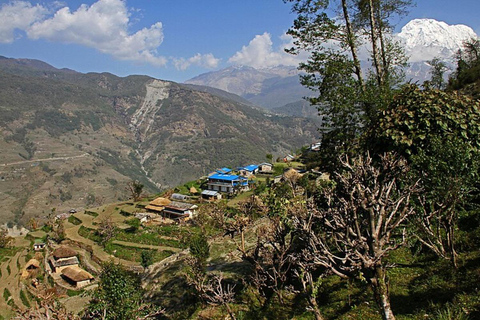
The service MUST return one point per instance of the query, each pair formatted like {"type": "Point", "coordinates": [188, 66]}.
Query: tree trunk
{"type": "Point", "coordinates": [380, 292]}
{"type": "Point", "coordinates": [230, 312]}
{"type": "Point", "coordinates": [314, 306]}
{"type": "Point", "coordinates": [451, 245]}
{"type": "Point", "coordinates": [374, 36]}
{"type": "Point", "coordinates": [352, 45]}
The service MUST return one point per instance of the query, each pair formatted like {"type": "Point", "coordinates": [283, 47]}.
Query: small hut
{"type": "Point", "coordinates": [77, 276]}
{"type": "Point", "coordinates": [32, 264]}
{"type": "Point", "coordinates": [38, 245]}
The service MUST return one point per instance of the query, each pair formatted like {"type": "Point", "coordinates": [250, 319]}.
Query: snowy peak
{"type": "Point", "coordinates": [426, 39]}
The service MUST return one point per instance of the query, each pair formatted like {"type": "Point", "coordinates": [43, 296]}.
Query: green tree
{"type": "Point", "coordinates": [468, 65]}
{"type": "Point", "coordinates": [200, 249]}
{"type": "Point", "coordinates": [349, 98]}
{"type": "Point", "coordinates": [118, 296]}
{"type": "Point", "coordinates": [135, 189]}
{"type": "Point", "coordinates": [146, 258]}
{"type": "Point", "coordinates": [437, 71]}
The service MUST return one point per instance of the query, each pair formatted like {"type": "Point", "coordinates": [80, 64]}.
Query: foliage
{"type": "Point", "coordinates": [146, 258]}
{"type": "Point", "coordinates": [199, 249]}
{"type": "Point", "coordinates": [437, 71]}
{"type": "Point", "coordinates": [4, 238]}
{"type": "Point", "coordinates": [416, 117]}
{"type": "Point", "coordinates": [135, 189]}
{"type": "Point", "coordinates": [468, 67]}
{"type": "Point", "coordinates": [118, 296]}
{"type": "Point", "coordinates": [347, 101]}
{"type": "Point", "coordinates": [74, 220]}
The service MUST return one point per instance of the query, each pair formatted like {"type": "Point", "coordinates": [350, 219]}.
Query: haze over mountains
{"type": "Point", "coordinates": [278, 88]}
{"type": "Point", "coordinates": [71, 140]}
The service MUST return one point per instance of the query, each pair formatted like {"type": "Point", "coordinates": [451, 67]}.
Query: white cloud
{"type": "Point", "coordinates": [260, 53]}
{"type": "Point", "coordinates": [203, 60]}
{"type": "Point", "coordinates": [18, 15]}
{"type": "Point", "coordinates": [103, 26]}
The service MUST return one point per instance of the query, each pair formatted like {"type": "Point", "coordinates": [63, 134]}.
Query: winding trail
{"type": "Point", "coordinates": [43, 160]}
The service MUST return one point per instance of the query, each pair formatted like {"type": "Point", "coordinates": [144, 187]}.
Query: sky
{"type": "Point", "coordinates": [170, 39]}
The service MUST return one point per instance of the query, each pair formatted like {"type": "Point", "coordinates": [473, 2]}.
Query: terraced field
{"type": "Point", "coordinates": [90, 220]}
{"type": "Point", "coordinates": [10, 285]}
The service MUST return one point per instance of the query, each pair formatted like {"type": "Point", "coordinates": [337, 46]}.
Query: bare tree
{"type": "Point", "coordinates": [106, 229]}
{"type": "Point", "coordinates": [135, 189]}
{"type": "Point", "coordinates": [359, 222]}
{"type": "Point", "coordinates": [213, 290]}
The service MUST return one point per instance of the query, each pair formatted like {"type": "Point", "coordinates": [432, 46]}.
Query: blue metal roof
{"type": "Point", "coordinates": [224, 170]}
{"type": "Point", "coordinates": [251, 167]}
{"type": "Point", "coordinates": [227, 177]}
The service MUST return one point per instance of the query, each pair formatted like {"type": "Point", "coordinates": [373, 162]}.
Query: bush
{"type": "Point", "coordinates": [74, 220]}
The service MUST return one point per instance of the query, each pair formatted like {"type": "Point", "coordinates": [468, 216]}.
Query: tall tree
{"type": "Point", "coordinates": [348, 97]}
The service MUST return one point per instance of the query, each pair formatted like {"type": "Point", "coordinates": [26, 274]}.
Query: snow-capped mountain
{"type": "Point", "coordinates": [424, 39]}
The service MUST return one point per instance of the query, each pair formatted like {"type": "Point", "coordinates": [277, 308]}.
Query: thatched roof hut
{"type": "Point", "coordinates": [193, 190]}
{"type": "Point", "coordinates": [32, 264]}
{"type": "Point", "coordinates": [76, 274]}
{"type": "Point", "coordinates": [64, 252]}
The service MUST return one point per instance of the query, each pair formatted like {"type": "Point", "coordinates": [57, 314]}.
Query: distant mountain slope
{"type": "Point", "coordinates": [72, 140]}
{"type": "Point", "coordinates": [269, 87]}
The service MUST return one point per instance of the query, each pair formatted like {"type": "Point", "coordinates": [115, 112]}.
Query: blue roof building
{"type": "Point", "coordinates": [226, 183]}
{"type": "Point", "coordinates": [248, 170]}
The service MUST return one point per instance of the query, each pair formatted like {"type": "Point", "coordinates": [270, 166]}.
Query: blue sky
{"type": "Point", "coordinates": [169, 39]}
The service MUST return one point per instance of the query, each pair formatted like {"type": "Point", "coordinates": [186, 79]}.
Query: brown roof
{"type": "Point", "coordinates": [64, 252]}
{"type": "Point", "coordinates": [193, 190]}
{"type": "Point", "coordinates": [160, 202]}
{"type": "Point", "coordinates": [154, 208]}
{"type": "Point", "coordinates": [76, 274]}
{"type": "Point", "coordinates": [181, 205]}
{"type": "Point", "coordinates": [32, 263]}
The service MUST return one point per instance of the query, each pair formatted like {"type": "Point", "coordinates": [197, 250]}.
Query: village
{"type": "Point", "coordinates": [65, 256]}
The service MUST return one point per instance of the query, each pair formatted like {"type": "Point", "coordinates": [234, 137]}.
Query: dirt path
{"type": "Point", "coordinates": [43, 160]}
